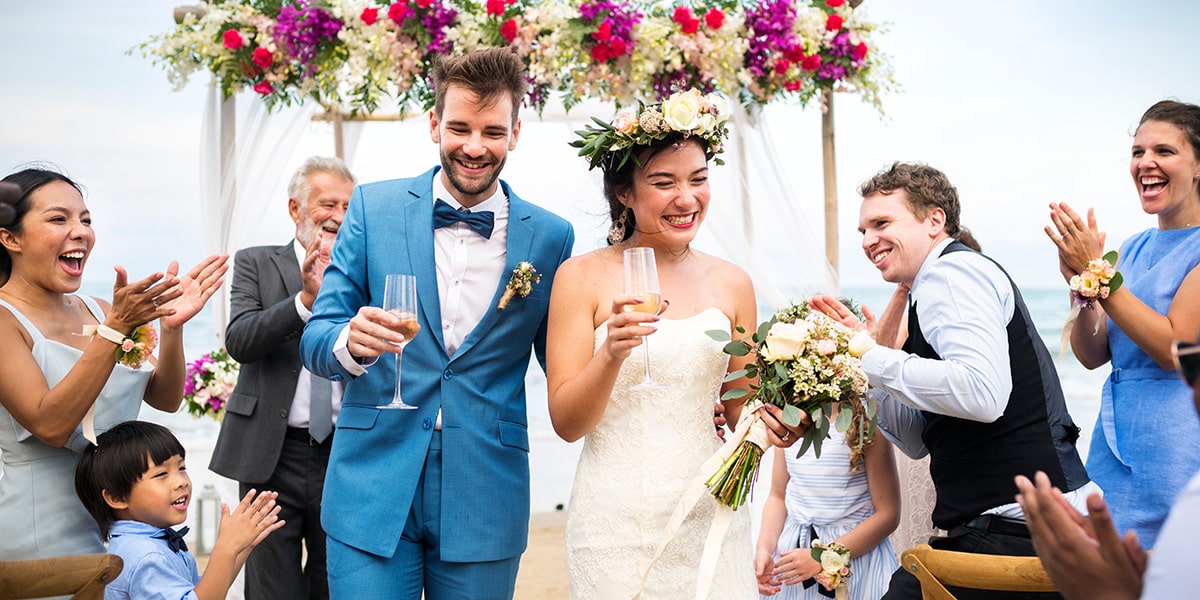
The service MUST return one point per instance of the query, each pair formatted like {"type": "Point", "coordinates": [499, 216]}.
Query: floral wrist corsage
{"type": "Point", "coordinates": [835, 564]}
{"type": "Point", "coordinates": [1098, 280]}
{"type": "Point", "coordinates": [132, 349]}
{"type": "Point", "coordinates": [520, 283]}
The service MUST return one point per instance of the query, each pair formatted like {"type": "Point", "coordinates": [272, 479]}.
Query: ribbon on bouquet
{"type": "Point", "coordinates": [749, 428]}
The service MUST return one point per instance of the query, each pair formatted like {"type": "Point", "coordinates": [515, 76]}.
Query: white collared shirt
{"type": "Point", "coordinates": [298, 414]}
{"type": "Point", "coordinates": [469, 266]}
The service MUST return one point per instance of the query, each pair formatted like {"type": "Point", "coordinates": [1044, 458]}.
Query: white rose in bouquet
{"type": "Point", "coordinates": [861, 343]}
{"type": "Point", "coordinates": [785, 341]}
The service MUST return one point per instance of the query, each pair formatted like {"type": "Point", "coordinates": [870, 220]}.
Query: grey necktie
{"type": "Point", "coordinates": [320, 408]}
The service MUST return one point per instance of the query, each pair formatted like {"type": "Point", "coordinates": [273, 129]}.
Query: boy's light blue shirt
{"type": "Point", "coordinates": [152, 570]}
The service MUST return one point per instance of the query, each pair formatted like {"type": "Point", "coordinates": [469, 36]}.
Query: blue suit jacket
{"type": "Point", "coordinates": [378, 455]}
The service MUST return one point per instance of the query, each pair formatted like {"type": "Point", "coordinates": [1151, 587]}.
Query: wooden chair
{"type": "Point", "coordinates": [84, 576]}
{"type": "Point", "coordinates": [938, 568]}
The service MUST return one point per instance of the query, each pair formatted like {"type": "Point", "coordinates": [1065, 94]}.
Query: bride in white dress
{"type": "Point", "coordinates": [644, 446]}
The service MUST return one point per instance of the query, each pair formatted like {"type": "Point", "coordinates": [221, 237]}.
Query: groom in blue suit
{"type": "Point", "coordinates": [436, 500]}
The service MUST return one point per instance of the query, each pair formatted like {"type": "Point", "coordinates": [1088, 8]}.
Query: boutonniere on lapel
{"type": "Point", "coordinates": [523, 278]}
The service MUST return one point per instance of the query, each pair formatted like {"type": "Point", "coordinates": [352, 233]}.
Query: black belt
{"type": "Point", "coordinates": [300, 434]}
{"type": "Point", "coordinates": [996, 524]}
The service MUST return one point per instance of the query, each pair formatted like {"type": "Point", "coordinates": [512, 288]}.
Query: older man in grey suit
{"type": "Point", "coordinates": [278, 426]}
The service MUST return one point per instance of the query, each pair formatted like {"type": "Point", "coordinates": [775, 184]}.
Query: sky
{"type": "Point", "coordinates": [1021, 103]}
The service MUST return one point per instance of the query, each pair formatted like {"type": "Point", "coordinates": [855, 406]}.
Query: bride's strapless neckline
{"type": "Point", "coordinates": [682, 319]}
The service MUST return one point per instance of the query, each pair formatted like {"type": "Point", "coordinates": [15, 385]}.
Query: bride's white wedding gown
{"type": "Point", "coordinates": [635, 465]}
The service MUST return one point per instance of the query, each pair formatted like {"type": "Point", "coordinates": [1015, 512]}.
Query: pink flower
{"type": "Point", "coordinates": [508, 30]}
{"type": "Point", "coordinates": [714, 18]}
{"type": "Point", "coordinates": [834, 23]}
{"type": "Point", "coordinates": [233, 39]}
{"type": "Point", "coordinates": [397, 12]}
{"type": "Point", "coordinates": [262, 57]}
{"type": "Point", "coordinates": [128, 345]}
{"type": "Point", "coordinates": [834, 3]}
{"type": "Point", "coordinates": [263, 88]}
{"type": "Point", "coordinates": [495, 7]}
{"type": "Point", "coordinates": [811, 63]}
{"type": "Point", "coordinates": [860, 51]}
{"type": "Point", "coordinates": [369, 15]}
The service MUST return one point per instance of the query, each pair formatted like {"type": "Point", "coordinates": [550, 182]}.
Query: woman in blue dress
{"type": "Point", "coordinates": [60, 379]}
{"type": "Point", "coordinates": [1146, 444]}
{"type": "Point", "coordinates": [852, 500]}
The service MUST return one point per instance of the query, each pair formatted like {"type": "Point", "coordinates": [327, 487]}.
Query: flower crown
{"type": "Point", "coordinates": [682, 115]}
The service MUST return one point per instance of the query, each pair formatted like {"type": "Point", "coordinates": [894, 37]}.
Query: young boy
{"type": "Point", "coordinates": [135, 484]}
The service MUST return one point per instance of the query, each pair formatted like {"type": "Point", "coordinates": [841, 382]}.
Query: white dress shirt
{"type": "Point", "coordinates": [964, 304]}
{"type": "Point", "coordinates": [1172, 572]}
{"type": "Point", "coordinates": [298, 414]}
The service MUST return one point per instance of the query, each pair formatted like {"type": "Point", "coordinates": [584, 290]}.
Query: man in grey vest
{"type": "Point", "coordinates": [974, 386]}
{"type": "Point", "coordinates": [278, 426]}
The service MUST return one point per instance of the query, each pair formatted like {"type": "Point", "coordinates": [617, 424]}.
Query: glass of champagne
{"type": "Point", "coordinates": [400, 299]}
{"type": "Point", "coordinates": [641, 280]}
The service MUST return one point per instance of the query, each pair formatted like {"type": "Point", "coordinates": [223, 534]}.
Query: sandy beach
{"type": "Point", "coordinates": [543, 574]}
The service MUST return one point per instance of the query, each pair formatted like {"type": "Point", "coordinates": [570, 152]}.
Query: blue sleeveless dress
{"type": "Point", "coordinates": [826, 498]}
{"type": "Point", "coordinates": [1146, 444]}
{"type": "Point", "coordinates": [40, 515]}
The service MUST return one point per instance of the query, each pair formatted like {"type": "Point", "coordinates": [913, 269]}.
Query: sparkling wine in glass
{"type": "Point", "coordinates": [400, 299]}
{"type": "Point", "coordinates": [641, 280]}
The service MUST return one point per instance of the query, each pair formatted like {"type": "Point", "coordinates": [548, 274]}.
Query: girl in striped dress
{"type": "Point", "coordinates": [855, 502]}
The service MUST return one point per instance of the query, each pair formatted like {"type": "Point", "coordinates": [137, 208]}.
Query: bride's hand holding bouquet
{"type": "Point", "coordinates": [806, 364]}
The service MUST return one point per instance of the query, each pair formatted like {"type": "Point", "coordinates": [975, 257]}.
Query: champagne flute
{"type": "Point", "coordinates": [641, 280]}
{"type": "Point", "coordinates": [400, 299]}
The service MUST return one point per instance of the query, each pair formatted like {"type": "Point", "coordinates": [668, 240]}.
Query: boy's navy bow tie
{"type": "Point", "coordinates": [174, 538]}
{"type": "Point", "coordinates": [444, 214]}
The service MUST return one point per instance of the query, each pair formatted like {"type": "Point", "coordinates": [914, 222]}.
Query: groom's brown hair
{"type": "Point", "coordinates": [487, 73]}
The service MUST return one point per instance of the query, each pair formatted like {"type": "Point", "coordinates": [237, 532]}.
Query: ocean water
{"type": "Point", "coordinates": [552, 461]}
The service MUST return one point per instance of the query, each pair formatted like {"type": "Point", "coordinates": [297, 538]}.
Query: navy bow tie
{"type": "Point", "coordinates": [444, 214]}
{"type": "Point", "coordinates": [174, 538]}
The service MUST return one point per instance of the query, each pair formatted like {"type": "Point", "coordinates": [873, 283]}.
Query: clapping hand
{"type": "Point", "coordinates": [195, 288]}
{"type": "Point", "coordinates": [250, 522]}
{"type": "Point", "coordinates": [140, 302]}
{"type": "Point", "coordinates": [1084, 556]}
{"type": "Point", "coordinates": [1078, 242]}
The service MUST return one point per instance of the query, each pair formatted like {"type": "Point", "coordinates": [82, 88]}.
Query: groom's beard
{"type": "Point", "coordinates": [471, 185]}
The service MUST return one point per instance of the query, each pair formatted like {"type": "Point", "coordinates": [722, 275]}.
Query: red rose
{"type": "Point", "coordinates": [369, 15]}
{"type": "Point", "coordinates": [424, 3]}
{"type": "Point", "coordinates": [860, 51]}
{"type": "Point", "coordinates": [262, 57]}
{"type": "Point", "coordinates": [603, 32]}
{"type": "Point", "coordinates": [794, 54]}
{"type": "Point", "coordinates": [600, 52]}
{"type": "Point", "coordinates": [834, 3]}
{"type": "Point", "coordinates": [690, 27]}
{"type": "Point", "coordinates": [397, 12]}
{"type": "Point", "coordinates": [233, 39]}
{"type": "Point", "coordinates": [781, 66]}
{"type": "Point", "coordinates": [263, 88]}
{"type": "Point", "coordinates": [714, 18]}
{"type": "Point", "coordinates": [811, 63]}
{"type": "Point", "coordinates": [495, 7]}
{"type": "Point", "coordinates": [618, 47]}
{"type": "Point", "coordinates": [682, 14]}
{"type": "Point", "coordinates": [508, 29]}
{"type": "Point", "coordinates": [834, 23]}
{"type": "Point", "coordinates": [792, 86]}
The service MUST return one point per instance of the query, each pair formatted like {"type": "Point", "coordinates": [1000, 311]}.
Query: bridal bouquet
{"type": "Point", "coordinates": [803, 361]}
{"type": "Point", "coordinates": [210, 381]}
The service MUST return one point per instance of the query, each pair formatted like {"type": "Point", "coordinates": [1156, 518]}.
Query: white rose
{"type": "Point", "coordinates": [834, 561]}
{"type": "Point", "coordinates": [705, 123]}
{"type": "Point", "coordinates": [682, 110]}
{"type": "Point", "coordinates": [861, 343]}
{"type": "Point", "coordinates": [785, 341]}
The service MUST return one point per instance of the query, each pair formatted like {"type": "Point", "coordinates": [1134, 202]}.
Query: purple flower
{"type": "Point", "coordinates": [302, 29]}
